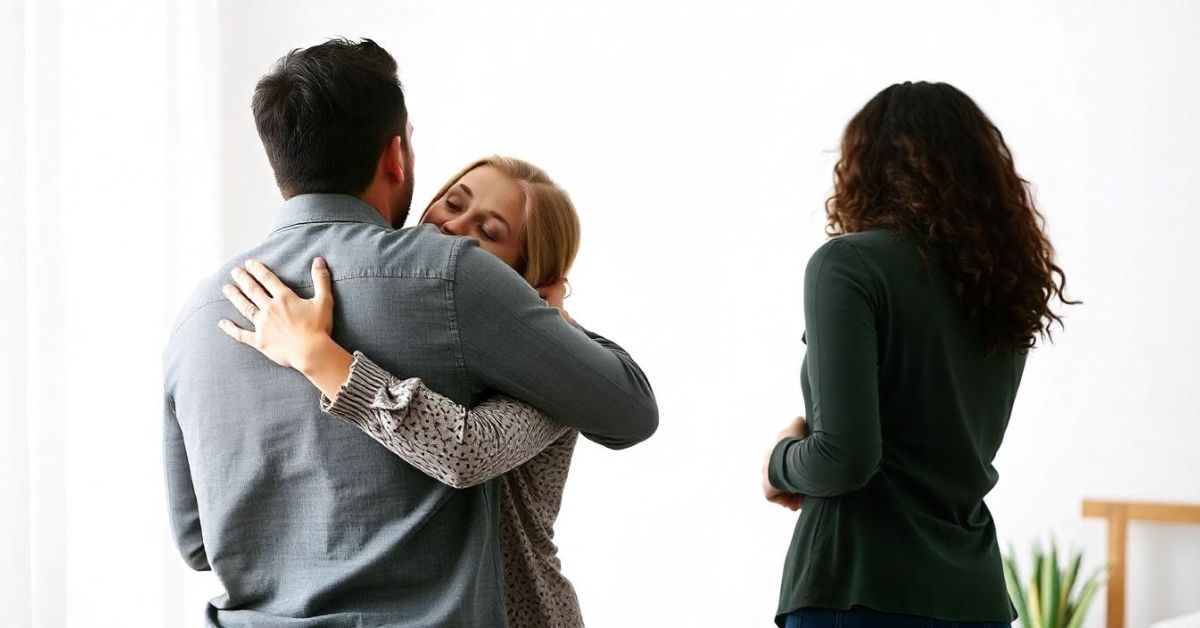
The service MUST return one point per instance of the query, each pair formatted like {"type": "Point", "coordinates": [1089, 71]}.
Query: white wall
{"type": "Point", "coordinates": [97, 149]}
{"type": "Point", "coordinates": [15, 590]}
{"type": "Point", "coordinates": [697, 142]}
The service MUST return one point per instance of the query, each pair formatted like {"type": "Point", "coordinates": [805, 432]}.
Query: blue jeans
{"type": "Point", "coordinates": [866, 618]}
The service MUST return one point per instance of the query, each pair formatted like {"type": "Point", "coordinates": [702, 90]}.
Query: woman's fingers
{"type": "Point", "coordinates": [240, 301]}
{"type": "Point", "coordinates": [250, 287]}
{"type": "Point", "coordinates": [268, 279]}
{"type": "Point", "coordinates": [791, 501]}
{"type": "Point", "coordinates": [321, 279]}
{"type": "Point", "coordinates": [235, 332]}
{"type": "Point", "coordinates": [565, 316]}
{"type": "Point", "coordinates": [553, 293]}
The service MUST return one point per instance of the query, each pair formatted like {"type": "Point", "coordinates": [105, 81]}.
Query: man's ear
{"type": "Point", "coordinates": [393, 159]}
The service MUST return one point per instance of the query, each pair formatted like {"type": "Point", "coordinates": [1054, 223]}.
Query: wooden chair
{"type": "Point", "coordinates": [1118, 516]}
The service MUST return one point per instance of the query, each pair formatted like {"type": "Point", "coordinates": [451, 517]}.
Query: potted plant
{"type": "Point", "coordinates": [1048, 598]}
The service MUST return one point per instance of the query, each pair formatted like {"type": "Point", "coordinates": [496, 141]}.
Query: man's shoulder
{"type": "Point", "coordinates": [370, 251]}
{"type": "Point", "coordinates": [354, 251]}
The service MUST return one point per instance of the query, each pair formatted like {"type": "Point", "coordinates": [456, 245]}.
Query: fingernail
{"type": "Point", "coordinates": [319, 263]}
{"type": "Point", "coordinates": [250, 263]}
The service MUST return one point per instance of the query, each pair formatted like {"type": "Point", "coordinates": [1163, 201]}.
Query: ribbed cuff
{"type": "Point", "coordinates": [358, 393]}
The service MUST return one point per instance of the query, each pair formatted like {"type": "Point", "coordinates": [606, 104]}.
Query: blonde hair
{"type": "Point", "coordinates": [550, 229]}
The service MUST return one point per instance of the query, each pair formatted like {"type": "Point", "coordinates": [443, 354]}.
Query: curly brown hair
{"type": "Point", "coordinates": [923, 158]}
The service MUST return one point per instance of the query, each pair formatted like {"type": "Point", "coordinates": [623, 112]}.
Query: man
{"type": "Point", "coordinates": [305, 520]}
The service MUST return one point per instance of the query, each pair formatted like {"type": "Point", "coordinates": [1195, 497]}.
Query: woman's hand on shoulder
{"type": "Point", "coordinates": [289, 330]}
{"type": "Point", "coordinates": [554, 294]}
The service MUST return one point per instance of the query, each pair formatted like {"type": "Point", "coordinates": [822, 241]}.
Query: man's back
{"type": "Point", "coordinates": [306, 520]}
{"type": "Point", "coordinates": [302, 515]}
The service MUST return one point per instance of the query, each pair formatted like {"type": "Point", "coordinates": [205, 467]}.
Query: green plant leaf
{"type": "Point", "coordinates": [1044, 600]}
{"type": "Point", "coordinates": [1085, 598]}
{"type": "Point", "coordinates": [1050, 586]}
{"type": "Point", "coordinates": [1035, 589]}
{"type": "Point", "coordinates": [1012, 578]}
{"type": "Point", "coordinates": [1068, 584]}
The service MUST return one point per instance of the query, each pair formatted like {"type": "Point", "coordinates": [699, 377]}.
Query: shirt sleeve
{"type": "Point", "coordinates": [513, 343]}
{"type": "Point", "coordinates": [843, 448]}
{"type": "Point", "coordinates": [183, 510]}
{"type": "Point", "coordinates": [448, 442]}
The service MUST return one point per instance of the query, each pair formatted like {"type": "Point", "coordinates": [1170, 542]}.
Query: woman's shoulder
{"type": "Point", "coordinates": [873, 241]}
{"type": "Point", "coordinates": [875, 260]}
{"type": "Point", "coordinates": [861, 249]}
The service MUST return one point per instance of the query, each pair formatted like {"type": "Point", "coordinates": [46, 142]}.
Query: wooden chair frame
{"type": "Point", "coordinates": [1118, 515]}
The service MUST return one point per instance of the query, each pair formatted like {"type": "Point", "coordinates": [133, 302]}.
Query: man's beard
{"type": "Point", "coordinates": [403, 204]}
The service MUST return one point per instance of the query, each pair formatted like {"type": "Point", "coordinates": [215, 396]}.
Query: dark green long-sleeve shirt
{"type": "Point", "coordinates": [906, 411]}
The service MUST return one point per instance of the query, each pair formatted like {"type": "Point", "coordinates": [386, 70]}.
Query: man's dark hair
{"type": "Point", "coordinates": [325, 114]}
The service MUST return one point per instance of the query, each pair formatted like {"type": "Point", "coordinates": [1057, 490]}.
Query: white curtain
{"type": "Point", "coordinates": [14, 449]}
{"type": "Point", "coordinates": [109, 153]}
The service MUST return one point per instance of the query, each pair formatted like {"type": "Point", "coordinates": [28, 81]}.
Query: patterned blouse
{"type": "Point", "coordinates": [461, 447]}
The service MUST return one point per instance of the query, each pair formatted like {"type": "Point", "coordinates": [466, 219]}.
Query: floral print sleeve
{"type": "Point", "coordinates": [457, 446]}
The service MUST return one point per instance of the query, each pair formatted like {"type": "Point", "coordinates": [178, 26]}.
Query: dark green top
{"type": "Point", "coordinates": [906, 411]}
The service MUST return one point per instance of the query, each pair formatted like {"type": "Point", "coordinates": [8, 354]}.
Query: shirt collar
{"type": "Point", "coordinates": [309, 208]}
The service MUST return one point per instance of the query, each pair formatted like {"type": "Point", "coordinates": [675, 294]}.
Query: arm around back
{"type": "Point", "coordinates": [513, 343]}
{"type": "Point", "coordinates": [456, 446]}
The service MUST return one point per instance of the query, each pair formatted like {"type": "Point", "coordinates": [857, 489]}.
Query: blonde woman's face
{"type": "Point", "coordinates": [484, 205]}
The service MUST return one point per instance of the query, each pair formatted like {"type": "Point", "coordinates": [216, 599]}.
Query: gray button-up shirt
{"type": "Point", "coordinates": [306, 520]}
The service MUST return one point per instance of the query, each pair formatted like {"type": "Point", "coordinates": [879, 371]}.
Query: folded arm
{"type": "Point", "coordinates": [457, 446]}
{"type": "Point", "coordinates": [514, 344]}
{"type": "Point", "coordinates": [843, 448]}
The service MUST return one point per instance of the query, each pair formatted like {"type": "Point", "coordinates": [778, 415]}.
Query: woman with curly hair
{"type": "Point", "coordinates": [919, 314]}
